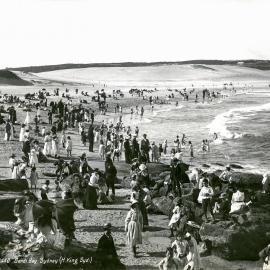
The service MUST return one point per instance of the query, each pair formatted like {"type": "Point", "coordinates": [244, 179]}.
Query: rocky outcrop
{"type": "Point", "coordinates": [247, 180]}
{"type": "Point", "coordinates": [13, 185]}
{"type": "Point", "coordinates": [241, 238]}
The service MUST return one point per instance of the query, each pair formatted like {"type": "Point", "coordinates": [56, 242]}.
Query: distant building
{"type": "Point", "coordinates": [240, 63]}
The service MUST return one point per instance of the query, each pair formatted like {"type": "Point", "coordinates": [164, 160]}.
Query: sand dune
{"type": "Point", "coordinates": [167, 75]}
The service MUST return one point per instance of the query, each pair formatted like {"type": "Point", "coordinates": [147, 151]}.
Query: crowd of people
{"type": "Point", "coordinates": [76, 179]}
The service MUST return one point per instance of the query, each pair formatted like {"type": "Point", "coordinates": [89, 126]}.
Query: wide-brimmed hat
{"type": "Point", "coordinates": [107, 226]}
{"type": "Point", "coordinates": [13, 155]}
{"type": "Point", "coordinates": [142, 167]}
{"type": "Point", "coordinates": [134, 202]}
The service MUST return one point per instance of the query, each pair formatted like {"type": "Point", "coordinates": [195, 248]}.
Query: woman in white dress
{"type": "Point", "coordinates": [27, 119]}
{"type": "Point", "coordinates": [55, 146]}
{"type": "Point", "coordinates": [22, 131]}
{"type": "Point", "coordinates": [15, 171]}
{"type": "Point", "coordinates": [33, 161]}
{"type": "Point", "coordinates": [133, 226]}
{"type": "Point", "coordinates": [47, 144]}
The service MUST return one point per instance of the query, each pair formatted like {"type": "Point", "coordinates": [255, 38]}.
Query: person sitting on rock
{"type": "Point", "coordinates": [168, 263]}
{"type": "Point", "coordinates": [226, 176]}
{"type": "Point", "coordinates": [222, 207]}
{"type": "Point", "coordinates": [238, 204]}
{"type": "Point", "coordinates": [181, 249]}
{"type": "Point", "coordinates": [179, 218]}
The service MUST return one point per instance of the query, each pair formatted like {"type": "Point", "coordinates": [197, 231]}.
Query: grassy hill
{"type": "Point", "coordinates": [7, 77]}
{"type": "Point", "coordinates": [257, 64]}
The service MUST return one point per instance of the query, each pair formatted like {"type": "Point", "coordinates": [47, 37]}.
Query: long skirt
{"type": "Point", "coordinates": [21, 138]}
{"type": "Point", "coordinates": [144, 213]}
{"type": "Point", "coordinates": [90, 198]}
{"type": "Point", "coordinates": [134, 233]}
{"type": "Point", "coordinates": [47, 148]}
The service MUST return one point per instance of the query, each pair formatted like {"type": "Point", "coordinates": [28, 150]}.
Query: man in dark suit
{"type": "Point", "coordinates": [145, 148]}
{"type": "Point", "coordinates": [8, 129]}
{"type": "Point", "coordinates": [91, 138]}
{"type": "Point", "coordinates": [106, 252]}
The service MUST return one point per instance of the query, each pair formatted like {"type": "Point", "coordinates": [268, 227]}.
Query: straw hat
{"type": "Point", "coordinates": [134, 202]}
{"type": "Point", "coordinates": [142, 167]}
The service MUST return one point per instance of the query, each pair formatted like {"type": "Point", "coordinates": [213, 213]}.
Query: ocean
{"type": "Point", "coordinates": [241, 122]}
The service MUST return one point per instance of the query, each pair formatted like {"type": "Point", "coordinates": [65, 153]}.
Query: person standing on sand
{"type": "Point", "coordinates": [145, 147]}
{"type": "Point", "coordinates": [26, 149]}
{"type": "Point", "coordinates": [47, 144]}
{"type": "Point", "coordinates": [69, 146]}
{"type": "Point", "coordinates": [106, 251]}
{"type": "Point", "coordinates": [127, 150]}
{"type": "Point", "coordinates": [91, 191]}
{"type": "Point", "coordinates": [33, 178]}
{"type": "Point", "coordinates": [91, 138]}
{"type": "Point", "coordinates": [110, 174]}
{"type": "Point", "coordinates": [133, 227]}
{"type": "Point", "coordinates": [191, 149]}
{"type": "Point", "coordinates": [7, 131]}
{"type": "Point", "coordinates": [21, 137]}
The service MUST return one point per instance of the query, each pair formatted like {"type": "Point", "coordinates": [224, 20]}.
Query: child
{"type": "Point", "coordinates": [43, 132]}
{"type": "Point", "coordinates": [63, 139]}
{"type": "Point", "coordinates": [101, 150]}
{"type": "Point", "coordinates": [69, 146]}
{"type": "Point", "coordinates": [33, 178]}
{"type": "Point", "coordinates": [33, 158]}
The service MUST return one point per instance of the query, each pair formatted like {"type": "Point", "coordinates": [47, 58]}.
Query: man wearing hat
{"type": "Point", "coordinates": [175, 177]}
{"type": "Point", "coordinates": [106, 251]}
{"type": "Point", "coordinates": [135, 147]}
{"type": "Point", "coordinates": [145, 148]}
{"type": "Point", "coordinates": [127, 150]}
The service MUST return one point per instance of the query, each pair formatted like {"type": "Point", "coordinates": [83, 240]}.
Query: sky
{"type": "Point", "coordinates": [42, 32]}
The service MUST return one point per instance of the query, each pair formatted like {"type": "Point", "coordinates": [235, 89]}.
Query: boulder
{"type": "Point", "coordinates": [13, 185]}
{"type": "Point", "coordinates": [236, 166]}
{"type": "Point", "coordinates": [164, 204]}
{"type": "Point", "coordinates": [165, 174]}
{"type": "Point", "coordinates": [241, 240]}
{"type": "Point", "coordinates": [157, 168]}
{"type": "Point", "coordinates": [7, 201]}
{"type": "Point", "coordinates": [247, 180]}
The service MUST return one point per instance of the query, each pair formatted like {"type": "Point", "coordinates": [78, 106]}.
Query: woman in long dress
{"type": "Point", "coordinates": [33, 161]}
{"type": "Point", "coordinates": [15, 171]}
{"type": "Point", "coordinates": [47, 145]}
{"type": "Point", "coordinates": [27, 119]}
{"type": "Point", "coordinates": [22, 131]}
{"type": "Point", "coordinates": [91, 191]}
{"type": "Point", "coordinates": [133, 226]}
{"type": "Point", "coordinates": [55, 146]}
